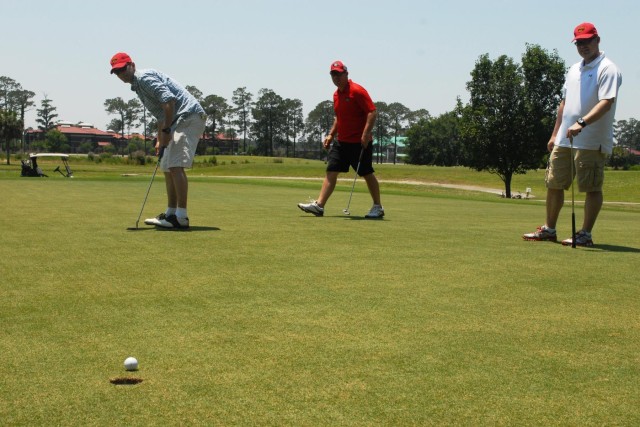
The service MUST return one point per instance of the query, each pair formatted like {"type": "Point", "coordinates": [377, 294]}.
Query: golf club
{"type": "Point", "coordinates": [573, 211]}
{"type": "Point", "coordinates": [346, 210]}
{"type": "Point", "coordinates": [160, 153]}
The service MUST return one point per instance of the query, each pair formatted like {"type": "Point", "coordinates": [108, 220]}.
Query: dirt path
{"type": "Point", "coordinates": [382, 181]}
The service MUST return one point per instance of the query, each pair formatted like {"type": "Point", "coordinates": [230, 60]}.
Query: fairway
{"type": "Point", "coordinates": [264, 315]}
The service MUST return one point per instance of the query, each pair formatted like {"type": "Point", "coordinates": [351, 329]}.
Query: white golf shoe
{"type": "Point", "coordinates": [157, 220]}
{"type": "Point", "coordinates": [312, 208]}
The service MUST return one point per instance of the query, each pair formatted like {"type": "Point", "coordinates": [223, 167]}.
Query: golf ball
{"type": "Point", "coordinates": [131, 364]}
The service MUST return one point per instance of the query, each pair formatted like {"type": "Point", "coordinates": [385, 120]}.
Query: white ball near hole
{"type": "Point", "coordinates": [131, 364]}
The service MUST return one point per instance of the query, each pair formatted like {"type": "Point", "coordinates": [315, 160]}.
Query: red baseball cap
{"type": "Point", "coordinates": [338, 66]}
{"type": "Point", "coordinates": [119, 60]}
{"type": "Point", "coordinates": [586, 30]}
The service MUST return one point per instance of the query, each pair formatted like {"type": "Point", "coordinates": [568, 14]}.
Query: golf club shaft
{"type": "Point", "coordinates": [354, 179]}
{"type": "Point", "coordinates": [144, 202]}
{"type": "Point", "coordinates": [573, 210]}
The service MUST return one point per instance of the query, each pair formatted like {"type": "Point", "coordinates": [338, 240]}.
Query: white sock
{"type": "Point", "coordinates": [181, 213]}
{"type": "Point", "coordinates": [553, 230]}
{"type": "Point", "coordinates": [170, 211]}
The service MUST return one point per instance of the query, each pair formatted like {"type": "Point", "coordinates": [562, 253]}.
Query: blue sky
{"type": "Point", "coordinates": [418, 53]}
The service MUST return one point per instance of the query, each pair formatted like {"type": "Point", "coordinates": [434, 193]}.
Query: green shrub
{"type": "Point", "coordinates": [137, 157]}
{"type": "Point", "coordinates": [212, 161]}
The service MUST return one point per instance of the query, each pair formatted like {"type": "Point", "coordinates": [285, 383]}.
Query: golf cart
{"type": "Point", "coordinates": [30, 167]}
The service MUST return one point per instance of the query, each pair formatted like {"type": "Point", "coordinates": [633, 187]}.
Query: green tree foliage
{"type": "Point", "coordinates": [23, 100]}
{"type": "Point", "coordinates": [398, 118]}
{"type": "Point", "coordinates": [627, 133]}
{"type": "Point", "coordinates": [317, 125]}
{"type": "Point", "coordinates": [115, 125]}
{"type": "Point", "coordinates": [435, 141]}
{"type": "Point", "coordinates": [511, 112]}
{"type": "Point", "coordinates": [621, 158]}
{"type": "Point", "coordinates": [319, 121]}
{"type": "Point", "coordinates": [116, 106]}
{"type": "Point", "coordinates": [544, 74]}
{"type": "Point", "coordinates": [134, 109]}
{"type": "Point", "coordinates": [217, 111]}
{"type": "Point", "coordinates": [56, 142]}
{"type": "Point", "coordinates": [14, 98]}
{"type": "Point", "coordinates": [415, 116]}
{"type": "Point", "coordinates": [46, 115]}
{"type": "Point", "coordinates": [242, 101]}
{"type": "Point", "coordinates": [381, 128]}
{"type": "Point", "coordinates": [197, 93]}
{"type": "Point", "coordinates": [268, 120]}
{"type": "Point", "coordinates": [10, 129]}
{"type": "Point", "coordinates": [293, 124]}
{"type": "Point", "coordinates": [8, 86]}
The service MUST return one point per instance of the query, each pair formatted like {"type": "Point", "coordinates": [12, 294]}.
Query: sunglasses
{"type": "Point", "coordinates": [584, 42]}
{"type": "Point", "coordinates": [120, 70]}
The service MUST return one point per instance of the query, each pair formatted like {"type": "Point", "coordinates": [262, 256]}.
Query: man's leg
{"type": "Point", "coordinates": [328, 185]}
{"type": "Point", "coordinates": [180, 185]}
{"type": "Point", "coordinates": [592, 204]}
{"type": "Point", "coordinates": [555, 200]}
{"type": "Point", "coordinates": [172, 197]}
{"type": "Point", "coordinates": [374, 188]}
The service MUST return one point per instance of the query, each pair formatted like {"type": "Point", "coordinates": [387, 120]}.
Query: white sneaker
{"type": "Point", "coordinates": [377, 211]}
{"type": "Point", "coordinates": [312, 208]}
{"type": "Point", "coordinates": [156, 220]}
{"type": "Point", "coordinates": [583, 238]}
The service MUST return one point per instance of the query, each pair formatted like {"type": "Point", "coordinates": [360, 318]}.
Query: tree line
{"type": "Point", "coordinates": [503, 128]}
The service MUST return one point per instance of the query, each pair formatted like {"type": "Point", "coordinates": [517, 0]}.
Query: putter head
{"type": "Point", "coordinates": [346, 211]}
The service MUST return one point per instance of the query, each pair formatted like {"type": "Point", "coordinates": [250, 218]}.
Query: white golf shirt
{"type": "Point", "coordinates": [584, 87]}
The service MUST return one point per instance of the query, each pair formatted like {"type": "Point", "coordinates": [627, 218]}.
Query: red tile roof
{"type": "Point", "coordinates": [84, 131]}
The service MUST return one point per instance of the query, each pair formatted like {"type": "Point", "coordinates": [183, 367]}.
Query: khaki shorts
{"type": "Point", "coordinates": [589, 168]}
{"type": "Point", "coordinates": [184, 141]}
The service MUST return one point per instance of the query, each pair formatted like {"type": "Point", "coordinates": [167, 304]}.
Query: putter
{"type": "Point", "coordinates": [346, 210]}
{"type": "Point", "coordinates": [573, 210]}
{"type": "Point", "coordinates": [148, 188]}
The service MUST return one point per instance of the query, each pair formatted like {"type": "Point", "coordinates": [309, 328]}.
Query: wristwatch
{"type": "Point", "coordinates": [167, 130]}
{"type": "Point", "coordinates": [581, 122]}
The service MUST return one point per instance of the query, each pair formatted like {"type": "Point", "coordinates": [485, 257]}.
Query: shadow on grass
{"type": "Point", "coordinates": [603, 248]}
{"type": "Point", "coordinates": [173, 230]}
{"type": "Point", "coordinates": [351, 217]}
{"type": "Point", "coordinates": [362, 218]}
{"type": "Point", "coordinates": [187, 230]}
{"type": "Point", "coordinates": [611, 248]}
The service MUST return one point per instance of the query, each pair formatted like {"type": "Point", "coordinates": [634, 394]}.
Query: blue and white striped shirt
{"type": "Point", "coordinates": [155, 88]}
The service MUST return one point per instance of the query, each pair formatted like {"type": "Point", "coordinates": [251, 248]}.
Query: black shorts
{"type": "Point", "coordinates": [343, 155]}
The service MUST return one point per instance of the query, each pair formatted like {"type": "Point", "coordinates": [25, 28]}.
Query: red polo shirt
{"type": "Point", "coordinates": [352, 107]}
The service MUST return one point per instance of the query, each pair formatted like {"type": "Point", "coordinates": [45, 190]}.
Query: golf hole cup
{"type": "Point", "coordinates": [131, 364]}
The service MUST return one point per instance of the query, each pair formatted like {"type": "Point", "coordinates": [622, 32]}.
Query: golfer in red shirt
{"type": "Point", "coordinates": [353, 124]}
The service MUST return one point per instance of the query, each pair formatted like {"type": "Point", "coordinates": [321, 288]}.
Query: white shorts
{"type": "Point", "coordinates": [184, 141]}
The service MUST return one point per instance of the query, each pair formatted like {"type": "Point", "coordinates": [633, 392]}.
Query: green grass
{"type": "Point", "coordinates": [262, 315]}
